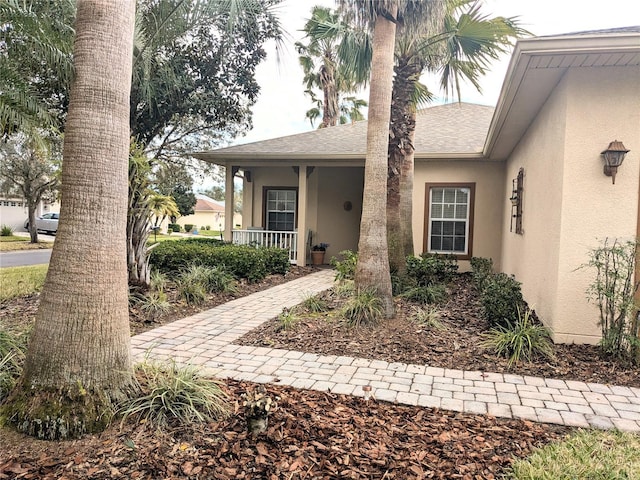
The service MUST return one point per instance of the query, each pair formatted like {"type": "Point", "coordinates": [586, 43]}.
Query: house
{"type": "Point", "coordinates": [521, 183]}
{"type": "Point", "coordinates": [208, 212]}
{"type": "Point", "coordinates": [14, 211]}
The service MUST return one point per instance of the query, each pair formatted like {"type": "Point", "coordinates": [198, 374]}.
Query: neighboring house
{"type": "Point", "coordinates": [208, 213]}
{"type": "Point", "coordinates": [537, 155]}
{"type": "Point", "coordinates": [14, 212]}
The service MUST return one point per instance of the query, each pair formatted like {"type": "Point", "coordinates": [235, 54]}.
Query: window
{"type": "Point", "coordinates": [280, 209]}
{"type": "Point", "coordinates": [449, 226]}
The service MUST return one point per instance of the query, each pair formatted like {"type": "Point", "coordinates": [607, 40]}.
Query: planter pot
{"type": "Point", "coordinates": [317, 257]}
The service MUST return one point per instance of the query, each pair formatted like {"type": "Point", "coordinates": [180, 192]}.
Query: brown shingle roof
{"type": "Point", "coordinates": [454, 128]}
{"type": "Point", "coordinates": [207, 205]}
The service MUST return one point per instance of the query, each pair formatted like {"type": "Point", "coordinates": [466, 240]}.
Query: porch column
{"type": "Point", "coordinates": [228, 203]}
{"type": "Point", "coordinates": [302, 216]}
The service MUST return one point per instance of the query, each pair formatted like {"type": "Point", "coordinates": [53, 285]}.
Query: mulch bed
{"type": "Point", "coordinates": [311, 435]}
{"type": "Point", "coordinates": [457, 345]}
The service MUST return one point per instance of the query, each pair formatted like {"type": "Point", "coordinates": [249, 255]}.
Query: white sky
{"type": "Point", "coordinates": [281, 106]}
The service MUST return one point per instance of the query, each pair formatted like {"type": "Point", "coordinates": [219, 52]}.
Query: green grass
{"type": "Point", "coordinates": [587, 455]}
{"type": "Point", "coordinates": [15, 242]}
{"type": "Point", "coordinates": [18, 281]}
{"type": "Point", "coordinates": [210, 233]}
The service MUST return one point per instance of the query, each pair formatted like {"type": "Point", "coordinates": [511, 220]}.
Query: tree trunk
{"type": "Point", "coordinates": [372, 270]}
{"type": "Point", "coordinates": [31, 215]}
{"type": "Point", "coordinates": [330, 94]}
{"type": "Point", "coordinates": [401, 136]}
{"type": "Point", "coordinates": [79, 354]}
{"type": "Point", "coordinates": [138, 220]}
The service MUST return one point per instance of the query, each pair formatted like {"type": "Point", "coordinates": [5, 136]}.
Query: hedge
{"type": "Point", "coordinates": [242, 261]}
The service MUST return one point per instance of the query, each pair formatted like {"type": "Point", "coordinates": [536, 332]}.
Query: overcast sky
{"type": "Point", "coordinates": [282, 104]}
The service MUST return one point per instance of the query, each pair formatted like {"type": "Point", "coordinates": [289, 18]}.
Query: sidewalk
{"type": "Point", "coordinates": [206, 339]}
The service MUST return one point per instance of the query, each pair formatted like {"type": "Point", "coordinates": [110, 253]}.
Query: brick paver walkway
{"type": "Point", "coordinates": [206, 339]}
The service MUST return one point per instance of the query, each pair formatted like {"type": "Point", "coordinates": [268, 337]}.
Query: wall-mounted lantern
{"type": "Point", "coordinates": [613, 158]}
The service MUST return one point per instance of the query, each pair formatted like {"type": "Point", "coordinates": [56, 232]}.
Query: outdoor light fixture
{"type": "Point", "coordinates": [613, 157]}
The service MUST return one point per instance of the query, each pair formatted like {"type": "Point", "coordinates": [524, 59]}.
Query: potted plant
{"type": "Point", "coordinates": [317, 253]}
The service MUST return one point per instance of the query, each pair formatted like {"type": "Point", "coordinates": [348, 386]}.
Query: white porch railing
{"type": "Point", "coordinates": [269, 238]}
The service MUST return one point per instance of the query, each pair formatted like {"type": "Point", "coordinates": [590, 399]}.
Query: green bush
{"type": "Point", "coordinates": [430, 294]}
{"type": "Point", "coordinates": [501, 300]}
{"type": "Point", "coordinates": [315, 304]}
{"type": "Point", "coordinates": [345, 268]}
{"type": "Point", "coordinates": [242, 261]}
{"type": "Point", "coordinates": [155, 303]}
{"type": "Point", "coordinates": [13, 345]}
{"type": "Point", "coordinates": [6, 231]}
{"type": "Point", "coordinates": [363, 308]}
{"type": "Point", "coordinates": [520, 340]}
{"type": "Point", "coordinates": [287, 319]}
{"type": "Point", "coordinates": [188, 227]}
{"type": "Point", "coordinates": [481, 268]}
{"type": "Point", "coordinates": [427, 317]}
{"type": "Point", "coordinates": [429, 269]}
{"type": "Point", "coordinates": [173, 227]}
{"type": "Point", "coordinates": [168, 393]}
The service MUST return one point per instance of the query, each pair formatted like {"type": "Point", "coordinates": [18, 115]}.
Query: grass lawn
{"type": "Point", "coordinates": [18, 281]}
{"type": "Point", "coordinates": [15, 242]}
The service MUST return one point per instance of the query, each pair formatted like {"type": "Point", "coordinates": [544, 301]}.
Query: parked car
{"type": "Point", "coordinates": [47, 223]}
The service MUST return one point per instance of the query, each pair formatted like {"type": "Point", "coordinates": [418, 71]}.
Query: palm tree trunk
{"type": "Point", "coordinates": [330, 96]}
{"type": "Point", "coordinates": [400, 186]}
{"type": "Point", "coordinates": [79, 354]}
{"type": "Point", "coordinates": [372, 270]}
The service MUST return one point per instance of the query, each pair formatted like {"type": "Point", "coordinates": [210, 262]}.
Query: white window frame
{"type": "Point", "coordinates": [468, 235]}
{"type": "Point", "coordinates": [267, 210]}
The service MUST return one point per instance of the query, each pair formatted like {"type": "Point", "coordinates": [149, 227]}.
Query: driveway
{"type": "Point", "coordinates": [24, 257]}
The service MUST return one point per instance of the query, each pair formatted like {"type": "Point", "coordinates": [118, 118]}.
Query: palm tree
{"type": "Point", "coordinates": [79, 357]}
{"type": "Point", "coordinates": [162, 206]}
{"type": "Point", "coordinates": [461, 49]}
{"type": "Point", "coordinates": [326, 31]}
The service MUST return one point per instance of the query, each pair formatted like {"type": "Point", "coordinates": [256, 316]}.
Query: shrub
{"type": "Point", "coordinates": [155, 303]}
{"type": "Point", "coordinates": [242, 261]}
{"type": "Point", "coordinates": [287, 319]}
{"type": "Point", "coordinates": [363, 308]}
{"type": "Point", "coordinates": [426, 295]}
{"type": "Point", "coordinates": [315, 304]}
{"type": "Point", "coordinates": [191, 290]}
{"type": "Point", "coordinates": [13, 345]}
{"type": "Point", "coordinates": [173, 227]}
{"type": "Point", "coordinates": [401, 283]}
{"type": "Point", "coordinates": [429, 269]}
{"type": "Point", "coordinates": [613, 291]}
{"type": "Point", "coordinates": [168, 393]}
{"type": "Point", "coordinates": [345, 268]}
{"type": "Point", "coordinates": [6, 231]}
{"type": "Point", "coordinates": [207, 227]}
{"type": "Point", "coordinates": [521, 340]}
{"type": "Point", "coordinates": [345, 288]}
{"type": "Point", "coordinates": [188, 227]}
{"type": "Point", "coordinates": [481, 268]}
{"type": "Point", "coordinates": [501, 299]}
{"type": "Point", "coordinates": [427, 317]}
{"type": "Point", "coordinates": [158, 281]}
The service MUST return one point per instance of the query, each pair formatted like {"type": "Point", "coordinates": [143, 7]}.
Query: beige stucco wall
{"type": "Point", "coordinates": [490, 196]}
{"type": "Point", "coordinates": [569, 204]}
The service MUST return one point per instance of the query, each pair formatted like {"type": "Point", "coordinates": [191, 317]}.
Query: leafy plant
{"type": "Point", "coordinates": [481, 269]}
{"type": "Point", "coordinates": [169, 393]}
{"type": "Point", "coordinates": [427, 317]}
{"type": "Point", "coordinates": [188, 227]}
{"type": "Point", "coordinates": [287, 318]}
{"type": "Point", "coordinates": [345, 268]}
{"type": "Point", "coordinates": [363, 308]}
{"type": "Point", "coordinates": [613, 291]}
{"type": "Point", "coordinates": [13, 345]}
{"type": "Point", "coordinates": [155, 303]}
{"type": "Point", "coordinates": [429, 269]}
{"type": "Point", "coordinates": [346, 288]}
{"type": "Point", "coordinates": [191, 291]}
{"type": "Point", "coordinates": [6, 231]}
{"type": "Point", "coordinates": [158, 281]}
{"type": "Point", "coordinates": [436, 293]}
{"type": "Point", "coordinates": [521, 340]}
{"type": "Point", "coordinates": [501, 299]}
{"type": "Point", "coordinates": [315, 304]}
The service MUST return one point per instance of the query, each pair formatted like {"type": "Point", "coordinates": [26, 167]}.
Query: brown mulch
{"type": "Point", "coordinates": [457, 345]}
{"type": "Point", "coordinates": [311, 435]}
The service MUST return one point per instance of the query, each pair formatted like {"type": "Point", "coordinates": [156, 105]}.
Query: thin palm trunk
{"type": "Point", "coordinates": [401, 134]}
{"type": "Point", "coordinates": [79, 355]}
{"type": "Point", "coordinates": [330, 111]}
{"type": "Point", "coordinates": [373, 261]}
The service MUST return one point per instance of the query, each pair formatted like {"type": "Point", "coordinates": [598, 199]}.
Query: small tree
{"type": "Point", "coordinates": [27, 168]}
{"type": "Point", "coordinates": [613, 291]}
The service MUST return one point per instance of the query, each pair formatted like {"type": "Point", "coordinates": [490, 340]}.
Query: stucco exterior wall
{"type": "Point", "coordinates": [533, 256]}
{"type": "Point", "coordinates": [490, 196]}
{"type": "Point", "coordinates": [337, 226]}
{"type": "Point", "coordinates": [569, 204]}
